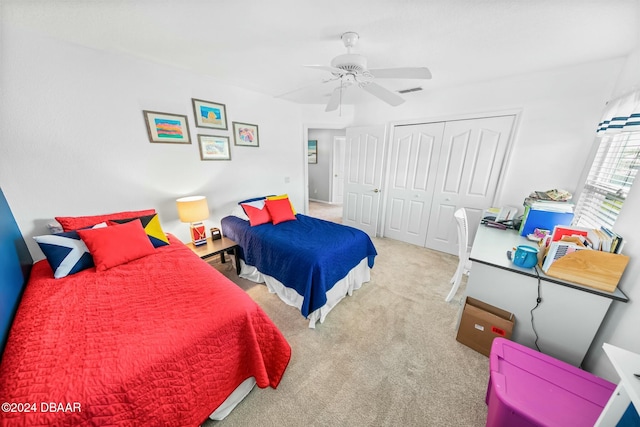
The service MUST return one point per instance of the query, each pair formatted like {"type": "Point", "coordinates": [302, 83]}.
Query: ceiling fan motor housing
{"type": "Point", "coordinates": [350, 62]}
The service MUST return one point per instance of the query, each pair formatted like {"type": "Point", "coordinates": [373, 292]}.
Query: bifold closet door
{"type": "Point", "coordinates": [412, 175]}
{"type": "Point", "coordinates": [469, 166]}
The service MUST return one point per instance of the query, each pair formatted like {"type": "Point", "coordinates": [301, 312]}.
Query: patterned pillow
{"type": "Point", "coordinates": [66, 253]}
{"type": "Point", "coordinates": [151, 225]}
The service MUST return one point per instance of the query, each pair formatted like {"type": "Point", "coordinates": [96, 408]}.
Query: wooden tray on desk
{"type": "Point", "coordinates": [596, 269]}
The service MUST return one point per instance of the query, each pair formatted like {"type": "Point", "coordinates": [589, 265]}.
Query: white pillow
{"type": "Point", "coordinates": [239, 212]}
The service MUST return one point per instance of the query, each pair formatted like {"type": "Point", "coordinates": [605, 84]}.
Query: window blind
{"type": "Point", "coordinates": [610, 178]}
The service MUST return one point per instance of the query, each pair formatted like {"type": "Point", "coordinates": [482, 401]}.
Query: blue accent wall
{"type": "Point", "coordinates": [15, 266]}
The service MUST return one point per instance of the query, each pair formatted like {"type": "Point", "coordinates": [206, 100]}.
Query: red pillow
{"type": "Point", "coordinates": [70, 223]}
{"type": "Point", "coordinates": [116, 244]}
{"type": "Point", "coordinates": [280, 210]}
{"type": "Point", "coordinates": [256, 216]}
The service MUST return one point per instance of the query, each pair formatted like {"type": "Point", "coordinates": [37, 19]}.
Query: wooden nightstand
{"type": "Point", "coordinates": [214, 247]}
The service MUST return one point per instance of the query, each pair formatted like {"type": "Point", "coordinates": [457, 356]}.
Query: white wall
{"type": "Point", "coordinates": [73, 139]}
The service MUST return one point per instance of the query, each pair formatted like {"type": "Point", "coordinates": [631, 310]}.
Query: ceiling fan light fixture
{"type": "Point", "coordinates": [350, 62]}
{"type": "Point", "coordinates": [351, 71]}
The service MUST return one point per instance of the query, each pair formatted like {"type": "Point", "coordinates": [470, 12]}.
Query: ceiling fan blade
{"type": "Point", "coordinates": [384, 94]}
{"type": "Point", "coordinates": [401, 73]}
{"type": "Point", "coordinates": [334, 101]}
{"type": "Point", "coordinates": [327, 68]}
{"type": "Point", "coordinates": [307, 87]}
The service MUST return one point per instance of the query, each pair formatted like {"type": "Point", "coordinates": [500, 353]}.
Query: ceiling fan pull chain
{"type": "Point", "coordinates": [340, 112]}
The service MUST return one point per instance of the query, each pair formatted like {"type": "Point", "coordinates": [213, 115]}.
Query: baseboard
{"type": "Point", "coordinates": [325, 202]}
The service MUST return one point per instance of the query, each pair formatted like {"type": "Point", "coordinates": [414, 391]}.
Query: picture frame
{"type": "Point", "coordinates": [312, 151]}
{"type": "Point", "coordinates": [214, 147]}
{"type": "Point", "coordinates": [167, 127]}
{"type": "Point", "coordinates": [207, 114]}
{"type": "Point", "coordinates": [245, 134]}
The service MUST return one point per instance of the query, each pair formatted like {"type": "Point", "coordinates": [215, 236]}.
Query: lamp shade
{"type": "Point", "coordinates": [193, 209]}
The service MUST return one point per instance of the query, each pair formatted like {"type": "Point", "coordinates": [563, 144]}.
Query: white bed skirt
{"type": "Point", "coordinates": [358, 275]}
{"type": "Point", "coordinates": [234, 398]}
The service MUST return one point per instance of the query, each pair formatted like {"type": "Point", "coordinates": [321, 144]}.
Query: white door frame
{"type": "Point", "coordinates": [305, 155]}
{"type": "Point", "coordinates": [332, 168]}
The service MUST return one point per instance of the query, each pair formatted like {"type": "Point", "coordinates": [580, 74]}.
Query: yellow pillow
{"type": "Point", "coordinates": [282, 196]}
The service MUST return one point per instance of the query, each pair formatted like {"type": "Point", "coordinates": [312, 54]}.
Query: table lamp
{"type": "Point", "coordinates": [194, 210]}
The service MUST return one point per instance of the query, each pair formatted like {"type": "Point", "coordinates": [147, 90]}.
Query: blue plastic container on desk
{"type": "Point", "coordinates": [545, 220]}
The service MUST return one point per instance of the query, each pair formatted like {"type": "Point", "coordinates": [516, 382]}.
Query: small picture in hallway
{"type": "Point", "coordinates": [312, 151]}
{"type": "Point", "coordinates": [166, 127]}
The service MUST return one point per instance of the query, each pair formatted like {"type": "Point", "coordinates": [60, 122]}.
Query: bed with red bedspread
{"type": "Point", "coordinates": [161, 340]}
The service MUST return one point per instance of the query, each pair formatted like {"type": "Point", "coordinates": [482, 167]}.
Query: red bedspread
{"type": "Point", "coordinates": [162, 340]}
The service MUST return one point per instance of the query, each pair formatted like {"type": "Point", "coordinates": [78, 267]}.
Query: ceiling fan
{"type": "Point", "coordinates": [351, 70]}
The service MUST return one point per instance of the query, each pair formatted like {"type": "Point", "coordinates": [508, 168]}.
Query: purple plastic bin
{"type": "Point", "coordinates": [528, 388]}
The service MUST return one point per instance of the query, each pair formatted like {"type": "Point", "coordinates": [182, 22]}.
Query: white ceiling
{"type": "Point", "coordinates": [263, 45]}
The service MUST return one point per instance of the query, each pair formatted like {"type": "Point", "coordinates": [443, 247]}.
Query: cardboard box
{"type": "Point", "coordinates": [481, 323]}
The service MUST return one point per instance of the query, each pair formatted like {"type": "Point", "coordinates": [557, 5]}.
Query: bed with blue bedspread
{"type": "Point", "coordinates": [310, 263]}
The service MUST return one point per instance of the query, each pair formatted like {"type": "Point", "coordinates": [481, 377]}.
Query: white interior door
{"type": "Point", "coordinates": [469, 167]}
{"type": "Point", "coordinates": [364, 152]}
{"type": "Point", "coordinates": [413, 167]}
{"type": "Point", "coordinates": [337, 182]}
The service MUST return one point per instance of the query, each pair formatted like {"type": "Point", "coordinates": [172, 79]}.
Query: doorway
{"type": "Point", "coordinates": [325, 174]}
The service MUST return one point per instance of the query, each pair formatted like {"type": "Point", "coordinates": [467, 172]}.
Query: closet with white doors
{"type": "Point", "coordinates": [436, 168]}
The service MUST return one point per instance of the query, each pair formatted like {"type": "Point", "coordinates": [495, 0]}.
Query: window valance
{"type": "Point", "coordinates": [621, 114]}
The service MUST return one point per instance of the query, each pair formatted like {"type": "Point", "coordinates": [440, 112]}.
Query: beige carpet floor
{"type": "Point", "coordinates": [386, 356]}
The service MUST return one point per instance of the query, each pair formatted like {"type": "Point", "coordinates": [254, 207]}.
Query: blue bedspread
{"type": "Point", "coordinates": [309, 255]}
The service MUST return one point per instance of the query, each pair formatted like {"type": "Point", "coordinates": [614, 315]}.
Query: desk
{"type": "Point", "coordinates": [569, 314]}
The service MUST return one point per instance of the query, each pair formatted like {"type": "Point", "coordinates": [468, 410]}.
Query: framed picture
{"type": "Point", "coordinates": [214, 147]}
{"type": "Point", "coordinates": [209, 114]}
{"type": "Point", "coordinates": [245, 134]}
{"type": "Point", "coordinates": [167, 127]}
{"type": "Point", "coordinates": [312, 151]}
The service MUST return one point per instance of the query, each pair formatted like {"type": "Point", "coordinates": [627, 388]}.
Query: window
{"type": "Point", "coordinates": [612, 173]}
{"type": "Point", "coordinates": [614, 167]}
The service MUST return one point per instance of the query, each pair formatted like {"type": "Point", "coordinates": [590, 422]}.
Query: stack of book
{"type": "Point", "coordinates": [549, 205]}
{"type": "Point", "coordinates": [567, 239]}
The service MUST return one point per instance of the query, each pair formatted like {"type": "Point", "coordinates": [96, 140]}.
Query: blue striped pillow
{"type": "Point", "coordinates": [66, 253]}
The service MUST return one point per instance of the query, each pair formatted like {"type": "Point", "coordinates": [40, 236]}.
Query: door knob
{"type": "Point", "coordinates": [375, 190]}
